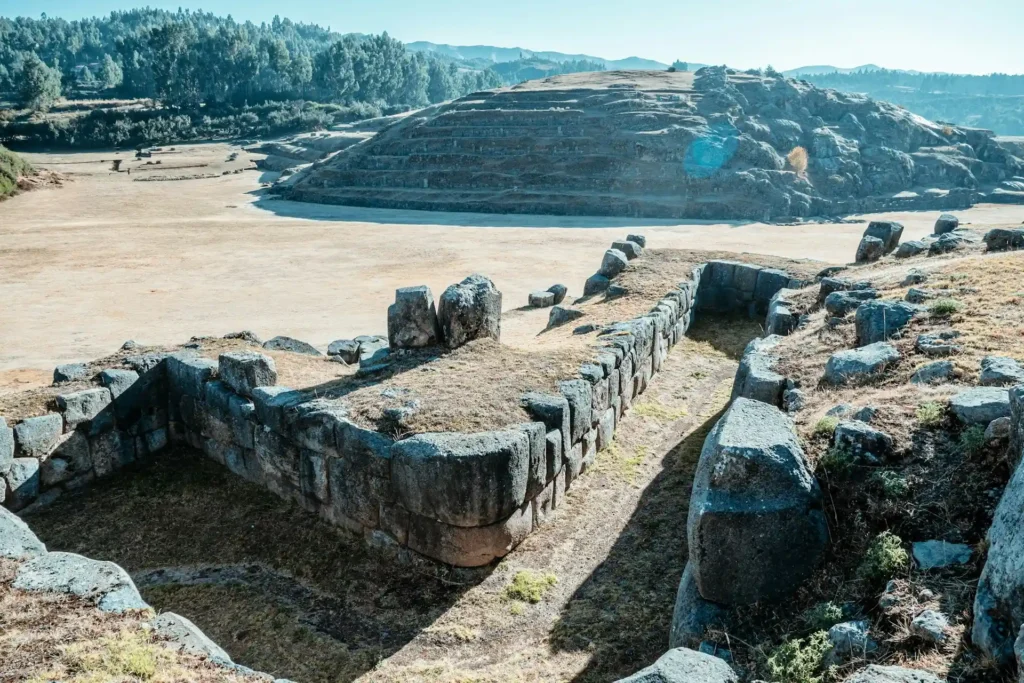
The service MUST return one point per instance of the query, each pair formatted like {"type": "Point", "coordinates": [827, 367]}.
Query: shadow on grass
{"type": "Point", "coordinates": [279, 589]}
{"type": "Point", "coordinates": [728, 334]}
{"type": "Point", "coordinates": [623, 611]}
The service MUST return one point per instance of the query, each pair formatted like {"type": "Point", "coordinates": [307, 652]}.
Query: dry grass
{"type": "Point", "coordinates": [798, 160]}
{"type": "Point", "coordinates": [48, 637]}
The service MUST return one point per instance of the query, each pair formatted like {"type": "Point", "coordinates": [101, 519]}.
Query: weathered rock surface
{"type": "Point", "coordinates": [470, 310]}
{"type": "Point", "coordinates": [911, 248]}
{"type": "Point", "coordinates": [38, 436]}
{"type": "Point", "coordinates": [412, 319]}
{"type": "Point", "coordinates": [692, 614]}
{"type": "Point", "coordinates": [938, 343]}
{"type": "Point", "coordinates": [561, 315]}
{"type": "Point", "coordinates": [345, 349]}
{"type": "Point", "coordinates": [82, 406]}
{"type": "Point", "coordinates": [631, 249]}
{"type": "Point", "coordinates": [682, 665]}
{"type": "Point", "coordinates": [184, 636]}
{"type": "Point", "coordinates": [70, 372]}
{"type": "Point", "coordinates": [282, 343]}
{"type": "Point", "coordinates": [1004, 239]}
{"type": "Point", "coordinates": [541, 299]}
{"type": "Point", "coordinates": [870, 249]}
{"type": "Point", "coordinates": [118, 381]}
{"type": "Point", "coordinates": [613, 263]}
{"type": "Point", "coordinates": [889, 232]}
{"type": "Point", "coordinates": [755, 528]}
{"type": "Point", "coordinates": [930, 626]}
{"type": "Point", "coordinates": [999, 371]}
{"type": "Point", "coordinates": [850, 639]}
{"type": "Point", "coordinates": [864, 443]}
{"type": "Point", "coordinates": [559, 291]}
{"type": "Point", "coordinates": [16, 540]}
{"type": "Point", "coordinates": [940, 554]}
{"type": "Point", "coordinates": [934, 372]}
{"type": "Point", "coordinates": [104, 583]}
{"type": "Point", "coordinates": [661, 145]}
{"type": "Point", "coordinates": [595, 284]}
{"type": "Point", "coordinates": [756, 377]}
{"type": "Point", "coordinates": [6, 447]}
{"type": "Point", "coordinates": [840, 304]}
{"type": "Point", "coordinates": [947, 222]}
{"type": "Point", "coordinates": [874, 673]}
{"type": "Point", "coordinates": [980, 405]}
{"type": "Point", "coordinates": [881, 320]}
{"type": "Point", "coordinates": [858, 365]}
{"type": "Point", "coordinates": [244, 371]}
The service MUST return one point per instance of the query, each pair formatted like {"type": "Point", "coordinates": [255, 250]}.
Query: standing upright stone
{"type": "Point", "coordinates": [412, 319]}
{"type": "Point", "coordinates": [870, 249]}
{"type": "Point", "coordinates": [470, 310]}
{"type": "Point", "coordinates": [244, 371]}
{"type": "Point", "coordinates": [613, 263]}
{"type": "Point", "coordinates": [756, 528]}
{"type": "Point", "coordinates": [889, 232]}
{"type": "Point", "coordinates": [947, 223]}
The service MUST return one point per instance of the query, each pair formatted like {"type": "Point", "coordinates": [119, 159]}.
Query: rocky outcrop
{"type": "Point", "coordinates": [470, 310]}
{"type": "Point", "coordinates": [661, 145]}
{"type": "Point", "coordinates": [859, 365]}
{"type": "Point", "coordinates": [755, 528]}
{"type": "Point", "coordinates": [892, 674]}
{"type": "Point", "coordinates": [879, 321]}
{"type": "Point", "coordinates": [980, 405]}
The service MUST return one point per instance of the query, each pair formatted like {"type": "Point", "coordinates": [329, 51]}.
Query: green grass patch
{"type": "Point", "coordinates": [12, 167]}
{"type": "Point", "coordinates": [657, 411]}
{"type": "Point", "coordinates": [529, 586]}
{"type": "Point", "coordinates": [943, 308]}
{"type": "Point", "coordinates": [884, 559]}
{"type": "Point", "coordinates": [822, 616]}
{"type": "Point", "coordinates": [838, 461]}
{"type": "Point", "coordinates": [931, 414]}
{"type": "Point", "coordinates": [893, 485]}
{"type": "Point", "coordinates": [972, 440]}
{"type": "Point", "coordinates": [826, 426]}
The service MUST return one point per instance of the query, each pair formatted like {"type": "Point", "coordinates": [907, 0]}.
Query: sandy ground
{"type": "Point", "coordinates": [106, 258]}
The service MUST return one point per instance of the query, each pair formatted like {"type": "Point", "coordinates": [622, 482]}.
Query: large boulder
{"type": "Point", "coordinates": [283, 343]}
{"type": "Point", "coordinates": [999, 601]}
{"type": "Point", "coordinates": [980, 405]}
{"type": "Point", "coordinates": [841, 303]}
{"type": "Point", "coordinates": [595, 284]}
{"type": "Point", "coordinates": [470, 310]}
{"type": "Point", "coordinates": [613, 263]}
{"type": "Point", "coordinates": [104, 583]}
{"type": "Point", "coordinates": [184, 636]}
{"type": "Point", "coordinates": [692, 615]}
{"type": "Point", "coordinates": [881, 320]}
{"type": "Point", "coordinates": [561, 315]}
{"type": "Point", "coordinates": [412, 319]}
{"type": "Point", "coordinates": [911, 248]}
{"type": "Point", "coordinates": [862, 442]}
{"type": "Point", "coordinates": [889, 232]}
{"type": "Point", "coordinates": [346, 350]}
{"type": "Point", "coordinates": [870, 249]}
{"type": "Point", "coordinates": [82, 406]}
{"type": "Point", "coordinates": [999, 371]}
{"type": "Point", "coordinates": [683, 665]}
{"type": "Point", "coordinates": [755, 529]}
{"type": "Point", "coordinates": [938, 343]}
{"type": "Point", "coordinates": [1004, 239]}
{"type": "Point", "coordinates": [947, 222]}
{"type": "Point", "coordinates": [858, 365]}
{"type": "Point", "coordinates": [70, 372]}
{"type": "Point", "coordinates": [16, 540]}
{"type": "Point", "coordinates": [541, 299]}
{"type": "Point", "coordinates": [756, 377]}
{"type": "Point", "coordinates": [244, 371]}
{"type": "Point", "coordinates": [559, 291]}
{"type": "Point", "coordinates": [631, 249]}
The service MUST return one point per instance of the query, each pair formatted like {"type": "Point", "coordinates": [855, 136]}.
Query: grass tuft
{"type": "Point", "coordinates": [798, 160]}
{"type": "Point", "coordinates": [931, 414]}
{"type": "Point", "coordinates": [972, 440]}
{"type": "Point", "coordinates": [892, 484]}
{"type": "Point", "coordinates": [822, 616]}
{"type": "Point", "coordinates": [838, 461]}
{"type": "Point", "coordinates": [529, 586]}
{"type": "Point", "coordinates": [826, 426]}
{"type": "Point", "coordinates": [943, 308]}
{"type": "Point", "coordinates": [799, 660]}
{"type": "Point", "coordinates": [127, 654]}
{"type": "Point", "coordinates": [884, 559]}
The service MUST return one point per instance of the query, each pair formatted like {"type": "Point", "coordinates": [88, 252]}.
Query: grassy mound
{"type": "Point", "coordinates": [12, 167]}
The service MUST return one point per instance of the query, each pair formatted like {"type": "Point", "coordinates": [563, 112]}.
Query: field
{"type": "Point", "coordinates": [109, 257]}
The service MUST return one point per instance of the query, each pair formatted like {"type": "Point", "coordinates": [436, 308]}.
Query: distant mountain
{"type": "Point", "coordinates": [498, 55]}
{"type": "Point", "coordinates": [817, 70]}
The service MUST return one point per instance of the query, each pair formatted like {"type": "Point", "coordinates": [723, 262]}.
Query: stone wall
{"type": "Point", "coordinates": [731, 287]}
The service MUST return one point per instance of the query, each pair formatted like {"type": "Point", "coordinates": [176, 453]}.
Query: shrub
{"type": "Point", "coordinates": [826, 426]}
{"type": "Point", "coordinates": [838, 461]}
{"type": "Point", "coordinates": [529, 586]}
{"type": "Point", "coordinates": [972, 440]}
{"type": "Point", "coordinates": [884, 559]}
{"type": "Point", "coordinates": [892, 484]}
{"type": "Point", "coordinates": [798, 160]}
{"type": "Point", "coordinates": [799, 660]}
{"type": "Point", "coordinates": [822, 616]}
{"type": "Point", "coordinates": [943, 308]}
{"type": "Point", "coordinates": [930, 414]}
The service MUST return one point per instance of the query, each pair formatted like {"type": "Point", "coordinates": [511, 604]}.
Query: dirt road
{"type": "Point", "coordinates": [110, 257]}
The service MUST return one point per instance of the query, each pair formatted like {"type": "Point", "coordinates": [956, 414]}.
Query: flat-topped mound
{"type": "Point", "coordinates": [717, 144]}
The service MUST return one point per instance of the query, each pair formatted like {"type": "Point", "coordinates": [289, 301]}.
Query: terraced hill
{"type": "Point", "coordinates": [672, 145]}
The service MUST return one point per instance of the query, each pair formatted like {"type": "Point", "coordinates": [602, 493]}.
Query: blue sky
{"type": "Point", "coordinates": [980, 36]}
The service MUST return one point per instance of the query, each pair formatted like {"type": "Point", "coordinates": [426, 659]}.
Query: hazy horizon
{"type": "Point", "coordinates": [947, 37]}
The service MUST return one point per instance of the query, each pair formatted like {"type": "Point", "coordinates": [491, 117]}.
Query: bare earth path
{"type": "Point", "coordinates": [107, 258]}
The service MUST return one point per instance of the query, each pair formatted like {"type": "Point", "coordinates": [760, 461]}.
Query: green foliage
{"type": "Point", "coordinates": [826, 426]}
{"type": "Point", "coordinates": [892, 484]}
{"type": "Point", "coordinates": [972, 440]}
{"type": "Point", "coordinates": [942, 308]}
{"type": "Point", "coordinates": [931, 414]}
{"type": "Point", "coordinates": [529, 586]}
{"type": "Point", "coordinates": [838, 461]}
{"type": "Point", "coordinates": [12, 167]}
{"type": "Point", "coordinates": [884, 559]}
{"type": "Point", "coordinates": [533, 68]}
{"type": "Point", "coordinates": [110, 75]}
{"type": "Point", "coordinates": [40, 85]}
{"type": "Point", "coordinates": [799, 660]}
{"type": "Point", "coordinates": [822, 616]}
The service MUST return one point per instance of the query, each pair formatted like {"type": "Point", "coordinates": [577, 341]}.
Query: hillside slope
{"type": "Point", "coordinates": [715, 144]}
{"type": "Point", "coordinates": [12, 167]}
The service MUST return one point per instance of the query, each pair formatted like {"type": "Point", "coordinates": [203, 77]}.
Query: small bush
{"type": "Point", "coordinates": [130, 655]}
{"type": "Point", "coordinates": [943, 308]}
{"type": "Point", "coordinates": [822, 616]}
{"type": "Point", "coordinates": [838, 461]}
{"type": "Point", "coordinates": [799, 660]}
{"type": "Point", "coordinates": [892, 484]}
{"type": "Point", "coordinates": [972, 440]}
{"type": "Point", "coordinates": [826, 426]}
{"type": "Point", "coordinates": [884, 559]}
{"type": "Point", "coordinates": [798, 160]}
{"type": "Point", "coordinates": [931, 414]}
{"type": "Point", "coordinates": [529, 586]}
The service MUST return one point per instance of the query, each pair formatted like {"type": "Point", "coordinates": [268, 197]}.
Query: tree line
{"type": "Point", "coordinates": [191, 59]}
